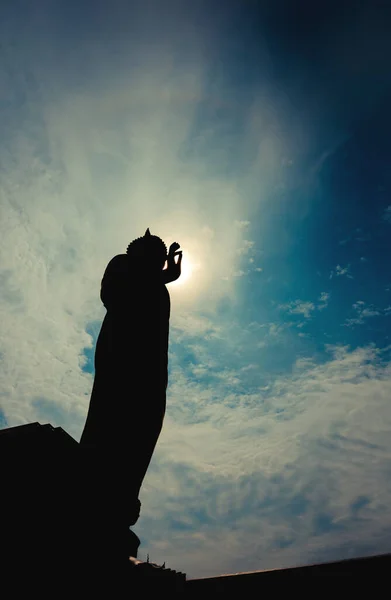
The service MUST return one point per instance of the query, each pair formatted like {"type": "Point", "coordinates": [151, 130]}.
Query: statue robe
{"type": "Point", "coordinates": [128, 399]}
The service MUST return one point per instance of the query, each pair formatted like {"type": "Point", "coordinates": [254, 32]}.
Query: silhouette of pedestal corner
{"type": "Point", "coordinates": [49, 515]}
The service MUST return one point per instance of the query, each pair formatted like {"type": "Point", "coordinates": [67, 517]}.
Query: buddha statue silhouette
{"type": "Point", "coordinates": [128, 399]}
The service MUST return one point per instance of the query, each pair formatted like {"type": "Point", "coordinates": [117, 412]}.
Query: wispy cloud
{"type": "Point", "coordinates": [282, 453]}
{"type": "Point", "coordinates": [239, 273]}
{"type": "Point", "coordinates": [299, 307]}
{"type": "Point", "coordinates": [248, 257]}
{"type": "Point", "coordinates": [323, 300]}
{"type": "Point", "coordinates": [194, 324]}
{"type": "Point", "coordinates": [341, 271]}
{"type": "Point", "coordinates": [246, 247]}
{"type": "Point", "coordinates": [363, 312]}
{"type": "Point", "coordinates": [306, 308]}
{"type": "Point", "coordinates": [242, 224]}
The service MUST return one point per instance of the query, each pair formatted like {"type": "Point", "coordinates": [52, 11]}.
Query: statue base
{"type": "Point", "coordinates": [53, 531]}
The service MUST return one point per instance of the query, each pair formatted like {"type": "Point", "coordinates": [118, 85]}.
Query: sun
{"type": "Point", "coordinates": [187, 270]}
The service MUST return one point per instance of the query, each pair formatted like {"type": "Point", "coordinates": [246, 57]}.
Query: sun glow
{"type": "Point", "coordinates": [187, 270]}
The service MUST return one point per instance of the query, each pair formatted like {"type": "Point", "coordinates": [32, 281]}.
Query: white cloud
{"type": "Point", "coordinates": [299, 307]}
{"type": "Point", "coordinates": [304, 363]}
{"type": "Point", "coordinates": [310, 443]}
{"type": "Point", "coordinates": [246, 251]}
{"type": "Point", "coordinates": [275, 329]}
{"type": "Point", "coordinates": [247, 246]}
{"type": "Point", "coordinates": [194, 325]}
{"type": "Point", "coordinates": [324, 297]}
{"type": "Point", "coordinates": [369, 312]}
{"type": "Point", "coordinates": [249, 367]}
{"type": "Point", "coordinates": [323, 300]}
{"type": "Point", "coordinates": [362, 312]}
{"type": "Point", "coordinates": [340, 271]}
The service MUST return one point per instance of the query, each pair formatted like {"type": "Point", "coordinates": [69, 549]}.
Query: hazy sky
{"type": "Point", "coordinates": [256, 134]}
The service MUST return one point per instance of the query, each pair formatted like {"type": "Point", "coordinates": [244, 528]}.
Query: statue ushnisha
{"type": "Point", "coordinates": [128, 399]}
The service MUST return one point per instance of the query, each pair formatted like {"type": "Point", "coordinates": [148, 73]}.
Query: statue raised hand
{"type": "Point", "coordinates": [173, 271]}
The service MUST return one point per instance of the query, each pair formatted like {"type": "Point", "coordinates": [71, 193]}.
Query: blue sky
{"type": "Point", "coordinates": [257, 135]}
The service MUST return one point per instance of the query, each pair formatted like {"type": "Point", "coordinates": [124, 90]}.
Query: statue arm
{"type": "Point", "coordinates": [173, 271]}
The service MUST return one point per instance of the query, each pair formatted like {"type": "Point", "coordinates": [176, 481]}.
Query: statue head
{"type": "Point", "coordinates": [148, 252]}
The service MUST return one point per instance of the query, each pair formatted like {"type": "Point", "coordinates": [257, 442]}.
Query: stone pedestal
{"type": "Point", "coordinates": [54, 529]}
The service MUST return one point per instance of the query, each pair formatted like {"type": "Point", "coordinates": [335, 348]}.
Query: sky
{"type": "Point", "coordinates": [256, 134]}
